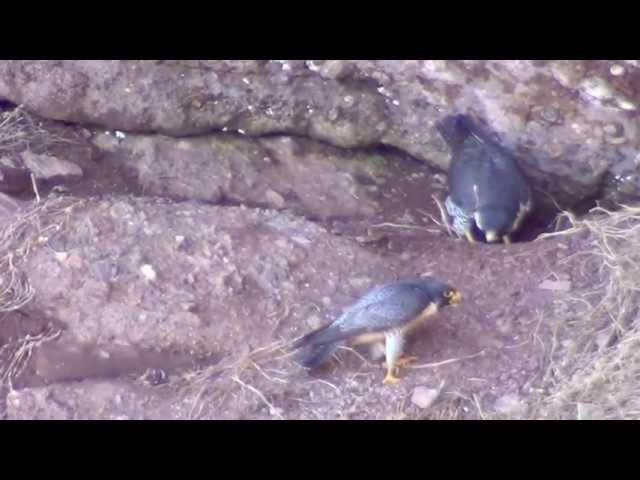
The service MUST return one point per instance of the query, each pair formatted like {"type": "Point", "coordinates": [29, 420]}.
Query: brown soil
{"type": "Point", "coordinates": [501, 354]}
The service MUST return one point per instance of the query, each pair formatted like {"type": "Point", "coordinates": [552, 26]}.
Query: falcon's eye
{"type": "Point", "coordinates": [449, 293]}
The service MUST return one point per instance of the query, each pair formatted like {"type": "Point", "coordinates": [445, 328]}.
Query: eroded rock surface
{"type": "Point", "coordinates": [572, 121]}
{"type": "Point", "coordinates": [189, 291]}
{"type": "Point", "coordinates": [212, 210]}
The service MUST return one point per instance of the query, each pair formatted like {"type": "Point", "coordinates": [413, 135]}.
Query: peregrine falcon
{"type": "Point", "coordinates": [385, 314]}
{"type": "Point", "coordinates": [488, 192]}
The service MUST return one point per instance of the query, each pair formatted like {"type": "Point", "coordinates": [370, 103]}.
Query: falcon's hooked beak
{"type": "Point", "coordinates": [454, 296]}
{"type": "Point", "coordinates": [491, 236]}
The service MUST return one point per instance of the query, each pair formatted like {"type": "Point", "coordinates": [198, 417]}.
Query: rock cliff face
{"type": "Point", "coordinates": [166, 227]}
{"type": "Point", "coordinates": [573, 122]}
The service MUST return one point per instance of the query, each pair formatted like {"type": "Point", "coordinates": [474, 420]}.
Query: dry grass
{"type": "Point", "coordinates": [599, 378]}
{"type": "Point", "coordinates": [15, 356]}
{"type": "Point", "coordinates": [237, 375]}
{"type": "Point", "coordinates": [20, 130]}
{"type": "Point", "coordinates": [35, 225]}
{"type": "Point", "coordinates": [28, 228]}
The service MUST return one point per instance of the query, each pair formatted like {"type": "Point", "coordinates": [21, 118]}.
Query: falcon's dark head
{"type": "Point", "coordinates": [442, 293]}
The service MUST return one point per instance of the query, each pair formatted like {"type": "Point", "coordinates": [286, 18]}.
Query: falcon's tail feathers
{"type": "Point", "coordinates": [313, 355]}
{"type": "Point", "coordinates": [318, 346]}
{"type": "Point", "coordinates": [327, 334]}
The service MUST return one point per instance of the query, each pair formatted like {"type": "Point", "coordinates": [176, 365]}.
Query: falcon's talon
{"type": "Point", "coordinates": [390, 379]}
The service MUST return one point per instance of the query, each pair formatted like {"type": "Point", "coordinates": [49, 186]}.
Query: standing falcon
{"type": "Point", "coordinates": [385, 314]}
{"type": "Point", "coordinates": [487, 189]}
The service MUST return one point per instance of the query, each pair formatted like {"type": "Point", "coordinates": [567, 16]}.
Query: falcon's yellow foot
{"type": "Point", "coordinates": [390, 379]}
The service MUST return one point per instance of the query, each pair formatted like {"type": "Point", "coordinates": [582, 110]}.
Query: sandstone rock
{"type": "Point", "coordinates": [241, 265]}
{"type": "Point", "coordinates": [552, 111]}
{"type": "Point", "coordinates": [47, 167]}
{"type": "Point", "coordinates": [307, 177]}
{"type": "Point", "coordinates": [424, 397]}
{"type": "Point", "coordinates": [510, 404]}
